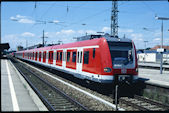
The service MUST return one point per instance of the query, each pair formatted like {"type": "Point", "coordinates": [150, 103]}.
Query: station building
{"type": "Point", "coordinates": [153, 56]}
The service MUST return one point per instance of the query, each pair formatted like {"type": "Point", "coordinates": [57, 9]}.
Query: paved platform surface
{"type": "Point", "coordinates": [153, 76]}
{"type": "Point", "coordinates": [153, 64]}
{"type": "Point", "coordinates": [15, 95]}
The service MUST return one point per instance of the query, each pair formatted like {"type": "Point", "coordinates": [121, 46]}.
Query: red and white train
{"type": "Point", "coordinates": [99, 59]}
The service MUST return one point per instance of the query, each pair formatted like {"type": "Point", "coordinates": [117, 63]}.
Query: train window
{"type": "Point", "coordinates": [44, 56]}
{"type": "Point", "coordinates": [68, 56]}
{"type": "Point", "coordinates": [94, 52]}
{"type": "Point", "coordinates": [81, 57]}
{"type": "Point", "coordinates": [57, 55]}
{"type": "Point", "coordinates": [54, 55]}
{"type": "Point", "coordinates": [61, 56]}
{"type": "Point", "coordinates": [86, 57]}
{"type": "Point", "coordinates": [39, 56]}
{"type": "Point", "coordinates": [74, 57]}
{"type": "Point", "coordinates": [36, 55]}
{"type": "Point", "coordinates": [33, 56]}
{"type": "Point", "coordinates": [77, 57]}
{"type": "Point", "coordinates": [64, 56]}
{"type": "Point", "coordinates": [51, 55]}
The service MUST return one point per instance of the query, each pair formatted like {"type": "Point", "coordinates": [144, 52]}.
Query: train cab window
{"type": "Point", "coordinates": [121, 52]}
{"type": "Point", "coordinates": [68, 56]}
{"type": "Point", "coordinates": [74, 57]}
{"type": "Point", "coordinates": [61, 56]}
{"type": "Point", "coordinates": [94, 52]}
{"type": "Point", "coordinates": [86, 57]}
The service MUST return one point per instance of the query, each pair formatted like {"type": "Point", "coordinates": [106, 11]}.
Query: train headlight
{"type": "Point", "coordinates": [137, 70]}
{"type": "Point", "coordinates": [107, 69]}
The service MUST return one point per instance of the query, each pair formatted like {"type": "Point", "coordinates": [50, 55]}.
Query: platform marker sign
{"type": "Point", "coordinates": [160, 50]}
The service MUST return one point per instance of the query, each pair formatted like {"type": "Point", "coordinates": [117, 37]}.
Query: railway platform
{"type": "Point", "coordinates": [153, 65]}
{"type": "Point", "coordinates": [16, 94]}
{"type": "Point", "coordinates": [153, 76]}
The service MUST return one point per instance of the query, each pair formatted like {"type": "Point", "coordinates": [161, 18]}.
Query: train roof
{"type": "Point", "coordinates": [87, 41]}
{"type": "Point", "coordinates": [74, 44]}
{"type": "Point", "coordinates": [106, 36]}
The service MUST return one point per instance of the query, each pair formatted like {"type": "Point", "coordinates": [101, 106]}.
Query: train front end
{"type": "Point", "coordinates": [124, 60]}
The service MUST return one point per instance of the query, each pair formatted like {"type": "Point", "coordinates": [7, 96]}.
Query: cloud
{"type": "Point", "coordinates": [13, 40]}
{"type": "Point", "coordinates": [13, 18]}
{"type": "Point", "coordinates": [125, 30]}
{"type": "Point", "coordinates": [83, 32]}
{"type": "Point", "coordinates": [28, 21]}
{"type": "Point", "coordinates": [56, 21]}
{"type": "Point", "coordinates": [80, 31]}
{"type": "Point", "coordinates": [105, 29]}
{"type": "Point", "coordinates": [22, 19]}
{"type": "Point", "coordinates": [136, 35]}
{"type": "Point", "coordinates": [19, 16]}
{"type": "Point", "coordinates": [157, 33]}
{"type": "Point", "coordinates": [65, 32]}
{"type": "Point", "coordinates": [67, 36]}
{"type": "Point", "coordinates": [157, 39]}
{"type": "Point", "coordinates": [90, 31]}
{"type": "Point", "coordinates": [27, 34]}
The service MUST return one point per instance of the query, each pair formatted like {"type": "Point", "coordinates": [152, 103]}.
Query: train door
{"type": "Point", "coordinates": [79, 60]}
{"type": "Point", "coordinates": [64, 58]}
{"type": "Point", "coordinates": [50, 58]}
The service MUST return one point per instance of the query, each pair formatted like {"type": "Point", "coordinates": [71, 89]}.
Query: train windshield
{"type": "Point", "coordinates": [121, 52]}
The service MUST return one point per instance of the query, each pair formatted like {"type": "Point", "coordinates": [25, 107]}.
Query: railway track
{"type": "Point", "coordinates": [52, 97]}
{"type": "Point", "coordinates": [140, 103]}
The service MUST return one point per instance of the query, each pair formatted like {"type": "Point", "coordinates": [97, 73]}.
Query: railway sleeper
{"type": "Point", "coordinates": [62, 104]}
{"type": "Point", "coordinates": [64, 107]}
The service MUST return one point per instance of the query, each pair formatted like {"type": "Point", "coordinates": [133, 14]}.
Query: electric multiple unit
{"type": "Point", "coordinates": [101, 59]}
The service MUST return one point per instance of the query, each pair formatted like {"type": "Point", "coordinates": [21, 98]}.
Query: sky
{"type": "Point", "coordinates": [23, 22]}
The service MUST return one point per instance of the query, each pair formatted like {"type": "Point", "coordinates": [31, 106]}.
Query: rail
{"type": "Point", "coordinates": [52, 97]}
{"type": "Point", "coordinates": [142, 104]}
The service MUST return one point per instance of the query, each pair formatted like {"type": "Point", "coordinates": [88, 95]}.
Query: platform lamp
{"type": "Point", "coordinates": [161, 49]}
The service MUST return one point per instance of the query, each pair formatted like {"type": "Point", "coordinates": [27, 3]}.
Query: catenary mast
{"type": "Point", "coordinates": [114, 19]}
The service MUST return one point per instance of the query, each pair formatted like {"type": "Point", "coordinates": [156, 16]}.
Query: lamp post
{"type": "Point", "coordinates": [161, 18]}
{"type": "Point", "coordinates": [145, 50]}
